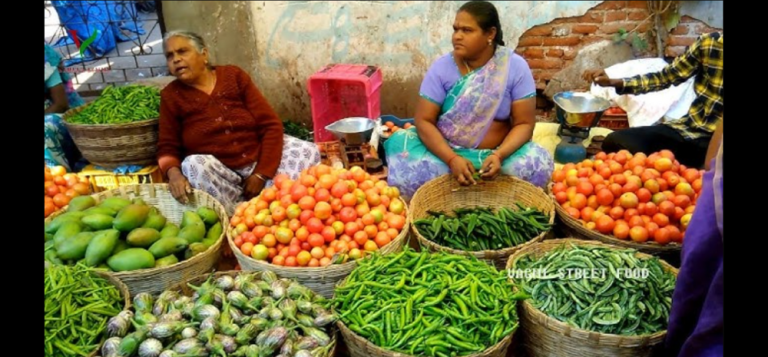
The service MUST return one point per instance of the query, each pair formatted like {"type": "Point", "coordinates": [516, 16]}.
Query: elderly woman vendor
{"type": "Point", "coordinates": [217, 132]}
{"type": "Point", "coordinates": [477, 112]}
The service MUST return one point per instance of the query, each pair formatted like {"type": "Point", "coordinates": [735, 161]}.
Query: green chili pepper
{"type": "Point", "coordinates": [120, 105]}
{"type": "Point", "coordinates": [475, 229]}
{"type": "Point", "coordinates": [441, 291]}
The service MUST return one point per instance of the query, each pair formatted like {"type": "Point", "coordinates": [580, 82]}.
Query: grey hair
{"type": "Point", "coordinates": [196, 39]}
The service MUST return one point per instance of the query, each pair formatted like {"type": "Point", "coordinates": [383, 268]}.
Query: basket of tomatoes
{"type": "Point", "coordinates": [637, 201]}
{"type": "Point", "coordinates": [314, 228]}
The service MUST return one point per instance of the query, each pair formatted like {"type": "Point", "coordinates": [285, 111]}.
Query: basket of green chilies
{"type": "Point", "coordinates": [591, 299]}
{"type": "Point", "coordinates": [426, 304]}
{"type": "Point", "coordinates": [79, 301]}
{"type": "Point", "coordinates": [118, 128]}
{"type": "Point", "coordinates": [490, 220]}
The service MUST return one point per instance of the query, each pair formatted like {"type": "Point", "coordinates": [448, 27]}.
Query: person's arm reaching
{"type": "Point", "coordinates": [680, 70]}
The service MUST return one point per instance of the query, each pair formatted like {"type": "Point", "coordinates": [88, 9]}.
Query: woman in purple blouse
{"type": "Point", "coordinates": [696, 318]}
{"type": "Point", "coordinates": [476, 112]}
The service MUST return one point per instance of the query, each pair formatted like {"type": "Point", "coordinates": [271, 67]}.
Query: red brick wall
{"type": "Point", "coordinates": [685, 34]}
{"type": "Point", "coordinates": [553, 46]}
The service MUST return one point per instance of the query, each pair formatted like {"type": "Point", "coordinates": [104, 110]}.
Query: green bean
{"type": "Point", "coordinates": [77, 308]}
{"type": "Point", "coordinates": [611, 301]}
{"type": "Point", "coordinates": [436, 310]}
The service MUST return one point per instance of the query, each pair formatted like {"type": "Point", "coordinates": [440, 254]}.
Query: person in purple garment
{"type": "Point", "coordinates": [696, 318]}
{"type": "Point", "coordinates": [476, 112]}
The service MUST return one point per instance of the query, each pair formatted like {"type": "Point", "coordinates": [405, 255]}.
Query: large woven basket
{"type": "Point", "coordinates": [321, 280]}
{"type": "Point", "coordinates": [445, 194]}
{"type": "Point", "coordinates": [113, 145]}
{"type": "Point", "coordinates": [155, 280]}
{"type": "Point", "coordinates": [184, 289]}
{"type": "Point", "coordinates": [359, 346]}
{"type": "Point", "coordinates": [545, 336]}
{"type": "Point", "coordinates": [575, 228]}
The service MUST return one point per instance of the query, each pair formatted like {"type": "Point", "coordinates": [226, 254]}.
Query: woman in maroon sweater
{"type": "Point", "coordinates": [217, 132]}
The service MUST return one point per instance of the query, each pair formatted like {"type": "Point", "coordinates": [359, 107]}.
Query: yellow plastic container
{"type": "Point", "coordinates": [107, 180]}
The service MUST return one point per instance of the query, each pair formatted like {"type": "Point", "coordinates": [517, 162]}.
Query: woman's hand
{"type": "Point", "coordinates": [179, 185]}
{"type": "Point", "coordinates": [462, 170]}
{"type": "Point", "coordinates": [491, 167]}
{"type": "Point", "coordinates": [252, 186]}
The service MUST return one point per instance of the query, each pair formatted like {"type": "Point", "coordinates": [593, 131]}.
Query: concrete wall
{"type": "Point", "coordinates": [297, 38]}
{"type": "Point", "coordinates": [227, 27]}
{"type": "Point", "coordinates": [710, 12]}
{"type": "Point", "coordinates": [282, 43]}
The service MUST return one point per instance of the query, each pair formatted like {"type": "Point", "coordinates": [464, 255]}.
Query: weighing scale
{"type": "Point", "coordinates": [354, 135]}
{"type": "Point", "coordinates": [578, 113]}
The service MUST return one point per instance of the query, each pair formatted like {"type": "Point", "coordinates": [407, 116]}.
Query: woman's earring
{"type": "Point", "coordinates": [490, 41]}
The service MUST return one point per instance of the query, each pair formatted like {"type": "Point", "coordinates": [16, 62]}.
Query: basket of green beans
{"type": "Point", "coordinates": [588, 298]}
{"type": "Point", "coordinates": [118, 128]}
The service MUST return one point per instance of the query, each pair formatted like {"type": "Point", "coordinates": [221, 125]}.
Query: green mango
{"type": "Point", "coordinates": [131, 217]}
{"type": "Point", "coordinates": [131, 259]}
{"type": "Point", "coordinates": [168, 246]}
{"type": "Point", "coordinates": [143, 237]}
{"type": "Point", "coordinates": [208, 216]}
{"type": "Point", "coordinates": [74, 248]}
{"type": "Point", "coordinates": [101, 247]}
{"type": "Point", "coordinates": [98, 221]}
{"type": "Point", "coordinates": [81, 203]}
{"type": "Point", "coordinates": [189, 218]}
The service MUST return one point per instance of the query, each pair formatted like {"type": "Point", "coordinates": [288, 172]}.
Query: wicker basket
{"type": "Point", "coordinates": [546, 336]}
{"type": "Point", "coordinates": [445, 194]}
{"type": "Point", "coordinates": [156, 280]}
{"type": "Point", "coordinates": [359, 346]}
{"type": "Point", "coordinates": [575, 228]}
{"type": "Point", "coordinates": [184, 289]}
{"type": "Point", "coordinates": [321, 280]}
{"type": "Point", "coordinates": [113, 145]}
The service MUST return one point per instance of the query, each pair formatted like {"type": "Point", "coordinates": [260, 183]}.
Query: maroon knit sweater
{"type": "Point", "coordinates": [235, 124]}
